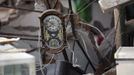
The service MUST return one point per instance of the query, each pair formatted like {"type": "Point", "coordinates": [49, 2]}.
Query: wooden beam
{"type": "Point", "coordinates": [117, 27]}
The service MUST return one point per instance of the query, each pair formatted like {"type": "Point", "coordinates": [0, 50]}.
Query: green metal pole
{"type": "Point", "coordinates": [85, 15]}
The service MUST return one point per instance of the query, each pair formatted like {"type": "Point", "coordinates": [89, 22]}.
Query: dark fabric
{"type": "Point", "coordinates": [130, 12]}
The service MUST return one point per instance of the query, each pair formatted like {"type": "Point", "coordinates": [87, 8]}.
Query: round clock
{"type": "Point", "coordinates": [53, 23]}
{"type": "Point", "coordinates": [53, 31]}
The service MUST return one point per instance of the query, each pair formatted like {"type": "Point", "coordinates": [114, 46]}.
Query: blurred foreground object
{"type": "Point", "coordinates": [125, 58]}
{"type": "Point", "coordinates": [17, 64]}
{"type": "Point", "coordinates": [1, 1]}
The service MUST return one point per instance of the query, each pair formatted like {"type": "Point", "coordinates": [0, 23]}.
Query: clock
{"type": "Point", "coordinates": [53, 23]}
{"type": "Point", "coordinates": [53, 31]}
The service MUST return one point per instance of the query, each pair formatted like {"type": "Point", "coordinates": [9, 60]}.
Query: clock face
{"type": "Point", "coordinates": [53, 31]}
{"type": "Point", "coordinates": [53, 23]}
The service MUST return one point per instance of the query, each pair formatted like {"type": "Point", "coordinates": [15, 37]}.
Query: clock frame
{"type": "Point", "coordinates": [50, 35]}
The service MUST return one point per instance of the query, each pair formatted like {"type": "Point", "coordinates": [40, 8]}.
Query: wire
{"type": "Point", "coordinates": [84, 5]}
{"type": "Point", "coordinates": [68, 17]}
{"type": "Point", "coordinates": [94, 28]}
{"type": "Point", "coordinates": [43, 66]}
{"type": "Point", "coordinates": [69, 47]}
{"type": "Point", "coordinates": [85, 46]}
{"type": "Point", "coordinates": [77, 41]}
{"type": "Point", "coordinates": [39, 51]}
{"type": "Point", "coordinates": [82, 9]}
{"type": "Point", "coordinates": [74, 61]}
{"type": "Point", "coordinates": [49, 5]}
{"type": "Point", "coordinates": [73, 45]}
{"type": "Point", "coordinates": [56, 2]}
{"type": "Point", "coordinates": [40, 62]}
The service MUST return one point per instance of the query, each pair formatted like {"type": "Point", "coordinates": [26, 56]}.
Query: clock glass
{"type": "Point", "coordinates": [53, 23]}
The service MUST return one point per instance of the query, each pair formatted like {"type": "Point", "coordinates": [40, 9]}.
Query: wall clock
{"type": "Point", "coordinates": [53, 31]}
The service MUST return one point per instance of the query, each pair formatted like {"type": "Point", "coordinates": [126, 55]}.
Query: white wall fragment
{"type": "Point", "coordinates": [106, 5]}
